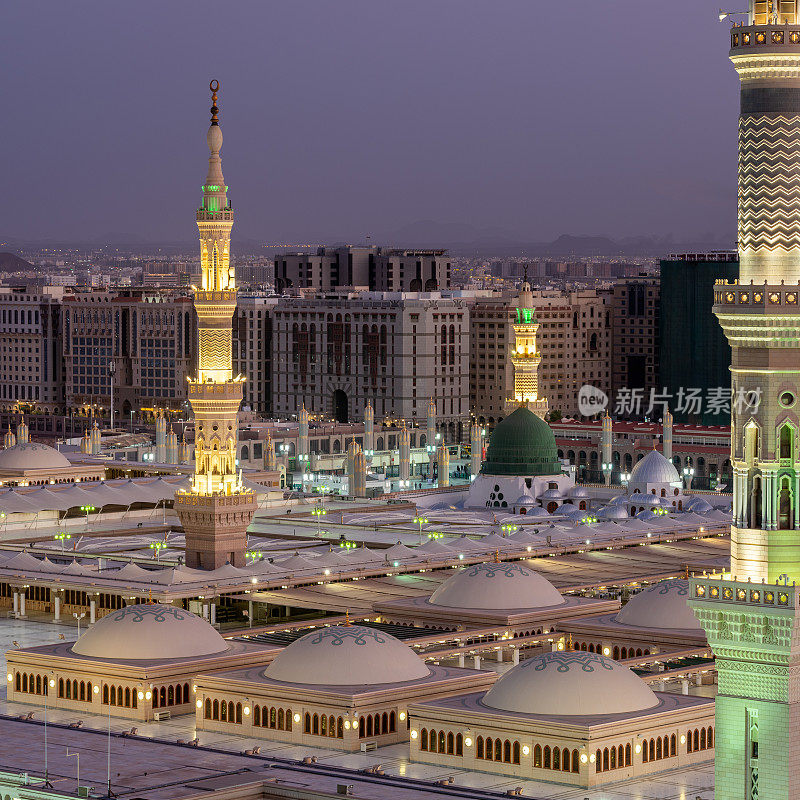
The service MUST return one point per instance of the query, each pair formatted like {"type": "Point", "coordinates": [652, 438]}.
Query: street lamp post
{"type": "Point", "coordinates": [158, 547]}
{"type": "Point", "coordinates": [420, 521]}
{"type": "Point", "coordinates": [88, 510]}
{"type": "Point", "coordinates": [688, 474]}
{"type": "Point", "coordinates": [79, 617]}
{"type": "Point", "coordinates": [112, 368]}
{"type": "Point", "coordinates": [61, 536]}
{"type": "Point", "coordinates": [318, 512]}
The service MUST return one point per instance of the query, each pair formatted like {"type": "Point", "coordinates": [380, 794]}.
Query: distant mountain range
{"type": "Point", "coordinates": [459, 238]}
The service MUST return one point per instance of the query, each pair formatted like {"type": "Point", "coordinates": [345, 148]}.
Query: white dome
{"type": "Point", "coordinates": [551, 494]}
{"type": "Point", "coordinates": [661, 606]}
{"type": "Point", "coordinates": [32, 455]}
{"type": "Point", "coordinates": [578, 491]}
{"type": "Point", "coordinates": [641, 499]}
{"type": "Point", "coordinates": [150, 631]}
{"type": "Point", "coordinates": [612, 512]}
{"type": "Point", "coordinates": [619, 500]}
{"type": "Point", "coordinates": [697, 504]}
{"type": "Point", "coordinates": [525, 500]}
{"type": "Point", "coordinates": [568, 684]}
{"type": "Point", "coordinates": [654, 468]}
{"type": "Point", "coordinates": [346, 655]}
{"type": "Point", "coordinates": [496, 585]}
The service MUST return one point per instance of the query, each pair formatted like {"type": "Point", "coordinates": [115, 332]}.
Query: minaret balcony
{"type": "Point", "coordinates": [765, 38]}
{"type": "Point", "coordinates": [214, 216]}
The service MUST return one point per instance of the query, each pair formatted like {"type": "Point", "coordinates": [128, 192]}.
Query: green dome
{"type": "Point", "coordinates": [522, 444]}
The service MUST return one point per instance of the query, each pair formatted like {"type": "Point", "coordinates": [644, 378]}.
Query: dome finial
{"type": "Point", "coordinates": [214, 86]}
{"type": "Point", "coordinates": [347, 622]}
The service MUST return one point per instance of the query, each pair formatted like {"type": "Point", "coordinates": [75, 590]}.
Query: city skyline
{"type": "Point", "coordinates": [385, 119]}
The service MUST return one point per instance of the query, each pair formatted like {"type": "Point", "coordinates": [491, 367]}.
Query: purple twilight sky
{"type": "Point", "coordinates": [351, 117]}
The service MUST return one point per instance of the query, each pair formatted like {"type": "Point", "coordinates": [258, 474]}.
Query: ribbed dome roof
{"type": "Point", "coordinates": [346, 655]}
{"type": "Point", "coordinates": [522, 444]}
{"type": "Point", "coordinates": [568, 684]}
{"type": "Point", "coordinates": [150, 631]}
{"type": "Point", "coordinates": [661, 606]}
{"type": "Point", "coordinates": [490, 586]}
{"type": "Point", "coordinates": [32, 455]}
{"type": "Point", "coordinates": [654, 468]}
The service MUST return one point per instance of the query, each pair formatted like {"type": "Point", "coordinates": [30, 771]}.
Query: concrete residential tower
{"type": "Point", "coordinates": [751, 620]}
{"type": "Point", "coordinates": [217, 509]}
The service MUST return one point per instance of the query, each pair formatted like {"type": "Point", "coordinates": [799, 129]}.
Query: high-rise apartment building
{"type": "Point", "coordinates": [694, 355]}
{"type": "Point", "coordinates": [31, 369]}
{"type": "Point", "coordinates": [635, 357]}
{"type": "Point", "coordinates": [368, 267]}
{"type": "Point", "coordinates": [252, 349]}
{"type": "Point", "coordinates": [148, 335]}
{"type": "Point", "coordinates": [334, 352]}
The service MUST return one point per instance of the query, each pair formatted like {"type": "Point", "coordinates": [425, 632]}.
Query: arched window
{"type": "Point", "coordinates": [546, 762]}
{"type": "Point", "coordinates": [273, 718]}
{"type": "Point", "coordinates": [441, 741]}
{"type": "Point", "coordinates": [616, 653]}
{"type": "Point", "coordinates": [25, 682]}
{"type": "Point", "coordinates": [127, 697]}
{"type": "Point", "coordinates": [479, 747]}
{"type": "Point", "coordinates": [315, 724]}
{"type": "Point", "coordinates": [423, 740]}
{"type": "Point", "coordinates": [171, 696]}
{"type": "Point", "coordinates": [575, 761]}
{"type": "Point", "coordinates": [605, 759]}
{"type": "Point", "coordinates": [702, 738]}
{"type": "Point", "coordinates": [696, 740]}
{"type": "Point", "coordinates": [339, 728]}
{"type": "Point", "coordinates": [162, 700]}
{"type": "Point", "coordinates": [392, 722]}
{"type": "Point", "coordinates": [451, 744]}
{"type": "Point", "coordinates": [627, 755]}
{"type": "Point", "coordinates": [598, 761]}
{"type": "Point", "coordinates": [216, 709]}
{"type": "Point", "coordinates": [620, 756]}
{"type": "Point", "coordinates": [223, 711]}
{"type": "Point", "coordinates": [113, 693]}
{"type": "Point", "coordinates": [288, 719]}
{"type": "Point", "coordinates": [673, 745]}
{"type": "Point", "coordinates": [507, 751]}
{"type": "Point", "coordinates": [489, 748]}
{"type": "Point", "coordinates": [515, 757]}
{"type": "Point", "coordinates": [362, 730]}
{"type": "Point", "coordinates": [537, 756]}
{"type": "Point", "coordinates": [556, 758]}
{"type": "Point", "coordinates": [207, 708]}
{"type": "Point", "coordinates": [613, 758]}
{"type": "Point", "coordinates": [323, 726]}
{"type": "Point", "coordinates": [369, 726]}
{"type": "Point", "coordinates": [645, 754]}
{"type": "Point", "coordinates": [652, 750]}
{"type": "Point", "coordinates": [459, 745]}
{"type": "Point", "coordinates": [710, 739]}
{"type": "Point", "coordinates": [498, 750]}
{"type": "Point", "coordinates": [384, 723]}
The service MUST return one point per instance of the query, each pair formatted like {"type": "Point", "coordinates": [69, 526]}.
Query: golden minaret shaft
{"type": "Point", "coordinates": [216, 511]}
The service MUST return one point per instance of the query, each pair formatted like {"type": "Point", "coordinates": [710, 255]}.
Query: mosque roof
{"type": "Point", "coordinates": [571, 683]}
{"type": "Point", "coordinates": [496, 586]}
{"type": "Point", "coordinates": [346, 655]}
{"type": "Point", "coordinates": [522, 444]}
{"type": "Point", "coordinates": [661, 606]}
{"type": "Point", "coordinates": [654, 468]}
{"type": "Point", "coordinates": [32, 455]}
{"type": "Point", "coordinates": [150, 631]}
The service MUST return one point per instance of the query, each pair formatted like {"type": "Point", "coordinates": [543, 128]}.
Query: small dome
{"type": "Point", "coordinates": [661, 606]}
{"type": "Point", "coordinates": [642, 499]}
{"type": "Point", "coordinates": [346, 655]}
{"type": "Point", "coordinates": [578, 492]}
{"type": "Point", "coordinates": [522, 444]}
{"type": "Point", "coordinates": [619, 500]}
{"type": "Point", "coordinates": [496, 585]}
{"type": "Point", "coordinates": [551, 494]}
{"type": "Point", "coordinates": [150, 631]}
{"type": "Point", "coordinates": [654, 468]}
{"type": "Point", "coordinates": [32, 455]}
{"type": "Point", "coordinates": [568, 684]}
{"type": "Point", "coordinates": [525, 500]}
{"type": "Point", "coordinates": [697, 504]}
{"type": "Point", "coordinates": [612, 512]}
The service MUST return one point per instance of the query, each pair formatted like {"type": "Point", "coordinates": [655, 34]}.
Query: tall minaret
{"type": "Point", "coordinates": [606, 446]}
{"type": "Point", "coordinates": [443, 465]}
{"type": "Point", "coordinates": [666, 431]}
{"type": "Point", "coordinates": [752, 618]}
{"type": "Point", "coordinates": [404, 448]}
{"type": "Point", "coordinates": [476, 448]}
{"type": "Point", "coordinates": [369, 427]}
{"type": "Point", "coordinates": [217, 509]}
{"type": "Point", "coordinates": [525, 356]}
{"type": "Point", "coordinates": [430, 441]}
{"type": "Point", "coordinates": [302, 435]}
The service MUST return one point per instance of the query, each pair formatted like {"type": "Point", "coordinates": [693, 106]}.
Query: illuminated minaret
{"type": "Point", "coordinates": [666, 428]}
{"type": "Point", "coordinates": [369, 427]}
{"type": "Point", "coordinates": [443, 465]}
{"type": "Point", "coordinates": [476, 448]}
{"type": "Point", "coordinates": [430, 441]}
{"type": "Point", "coordinates": [752, 617]}
{"type": "Point", "coordinates": [524, 355]}
{"type": "Point", "coordinates": [404, 448]}
{"type": "Point", "coordinates": [606, 445]}
{"type": "Point", "coordinates": [217, 509]}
